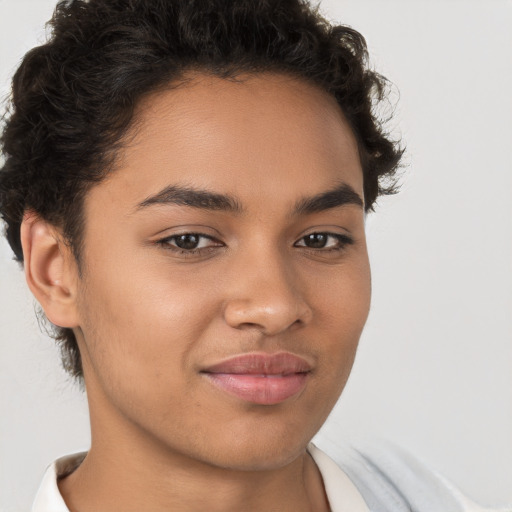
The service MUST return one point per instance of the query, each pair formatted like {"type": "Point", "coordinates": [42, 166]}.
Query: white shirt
{"type": "Point", "coordinates": [390, 481]}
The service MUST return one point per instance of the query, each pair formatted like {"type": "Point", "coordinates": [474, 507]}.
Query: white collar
{"type": "Point", "coordinates": [342, 494]}
{"type": "Point", "coordinates": [48, 497]}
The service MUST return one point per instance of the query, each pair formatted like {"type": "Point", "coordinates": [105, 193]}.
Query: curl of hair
{"type": "Point", "coordinates": [73, 98]}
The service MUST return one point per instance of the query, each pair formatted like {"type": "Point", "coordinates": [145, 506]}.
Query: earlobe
{"type": "Point", "coordinates": [50, 270]}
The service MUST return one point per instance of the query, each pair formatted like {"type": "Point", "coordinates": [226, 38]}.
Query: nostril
{"type": "Point", "coordinates": [267, 319]}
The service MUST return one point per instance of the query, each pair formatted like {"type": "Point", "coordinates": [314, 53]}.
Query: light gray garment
{"type": "Point", "coordinates": [392, 480]}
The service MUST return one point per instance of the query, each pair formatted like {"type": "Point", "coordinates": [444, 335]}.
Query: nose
{"type": "Point", "coordinates": [265, 295]}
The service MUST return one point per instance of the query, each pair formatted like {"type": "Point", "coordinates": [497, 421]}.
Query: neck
{"type": "Point", "coordinates": [134, 481]}
{"type": "Point", "coordinates": [125, 471]}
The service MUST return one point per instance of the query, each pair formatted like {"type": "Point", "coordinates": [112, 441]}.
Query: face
{"type": "Point", "coordinates": [225, 281]}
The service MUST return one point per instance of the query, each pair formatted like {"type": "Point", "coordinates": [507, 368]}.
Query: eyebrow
{"type": "Point", "coordinates": [342, 195]}
{"type": "Point", "coordinates": [196, 198]}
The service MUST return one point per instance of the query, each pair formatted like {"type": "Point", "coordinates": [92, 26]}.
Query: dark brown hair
{"type": "Point", "coordinates": [73, 98]}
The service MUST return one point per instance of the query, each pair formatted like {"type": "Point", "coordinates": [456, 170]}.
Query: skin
{"type": "Point", "coordinates": [148, 317]}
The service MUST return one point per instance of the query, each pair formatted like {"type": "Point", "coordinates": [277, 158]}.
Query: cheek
{"type": "Point", "coordinates": [145, 326]}
{"type": "Point", "coordinates": [342, 306]}
{"type": "Point", "coordinates": [140, 341]}
{"type": "Point", "coordinates": [342, 297]}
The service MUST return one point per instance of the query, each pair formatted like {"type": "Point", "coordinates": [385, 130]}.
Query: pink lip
{"type": "Point", "coordinates": [265, 379]}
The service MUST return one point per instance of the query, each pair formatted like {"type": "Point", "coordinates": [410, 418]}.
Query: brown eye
{"type": "Point", "coordinates": [316, 240]}
{"type": "Point", "coordinates": [187, 242]}
{"type": "Point", "coordinates": [326, 241]}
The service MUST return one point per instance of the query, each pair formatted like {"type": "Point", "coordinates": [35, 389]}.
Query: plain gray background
{"type": "Point", "coordinates": [433, 372]}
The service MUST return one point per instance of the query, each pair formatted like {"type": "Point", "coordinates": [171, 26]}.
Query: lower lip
{"type": "Point", "coordinates": [260, 389]}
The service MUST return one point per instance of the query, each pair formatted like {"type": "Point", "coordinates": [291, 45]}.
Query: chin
{"type": "Point", "coordinates": [259, 449]}
{"type": "Point", "coordinates": [260, 459]}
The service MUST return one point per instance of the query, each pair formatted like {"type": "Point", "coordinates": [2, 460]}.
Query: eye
{"type": "Point", "coordinates": [325, 241]}
{"type": "Point", "coordinates": [189, 242]}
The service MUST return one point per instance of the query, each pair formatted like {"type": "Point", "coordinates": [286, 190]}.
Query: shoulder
{"type": "Point", "coordinates": [392, 480]}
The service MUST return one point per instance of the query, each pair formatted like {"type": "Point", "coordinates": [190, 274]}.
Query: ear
{"type": "Point", "coordinates": [50, 270]}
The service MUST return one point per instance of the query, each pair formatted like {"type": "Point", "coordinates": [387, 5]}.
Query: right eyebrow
{"type": "Point", "coordinates": [193, 197]}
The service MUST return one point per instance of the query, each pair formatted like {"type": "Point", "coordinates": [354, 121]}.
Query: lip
{"type": "Point", "coordinates": [260, 378]}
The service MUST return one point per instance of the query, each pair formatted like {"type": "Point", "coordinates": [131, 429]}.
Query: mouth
{"type": "Point", "coordinates": [260, 378]}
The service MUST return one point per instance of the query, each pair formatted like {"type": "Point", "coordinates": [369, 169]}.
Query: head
{"type": "Point", "coordinates": [204, 168]}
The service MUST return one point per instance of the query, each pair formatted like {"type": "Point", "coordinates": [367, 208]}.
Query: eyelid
{"type": "Point", "coordinates": [187, 229]}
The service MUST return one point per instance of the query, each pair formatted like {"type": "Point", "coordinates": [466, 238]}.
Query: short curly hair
{"type": "Point", "coordinates": [74, 97]}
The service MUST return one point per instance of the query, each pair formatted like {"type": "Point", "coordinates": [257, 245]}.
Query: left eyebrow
{"type": "Point", "coordinates": [342, 195]}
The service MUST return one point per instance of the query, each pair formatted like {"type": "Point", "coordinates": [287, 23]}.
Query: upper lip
{"type": "Point", "coordinates": [280, 363]}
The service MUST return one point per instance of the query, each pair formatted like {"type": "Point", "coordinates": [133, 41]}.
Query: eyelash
{"type": "Point", "coordinates": [342, 242]}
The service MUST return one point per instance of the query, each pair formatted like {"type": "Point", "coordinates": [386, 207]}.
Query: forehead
{"type": "Point", "coordinates": [248, 137]}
